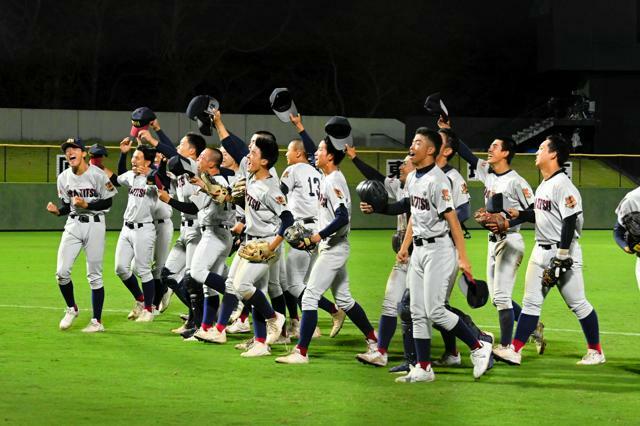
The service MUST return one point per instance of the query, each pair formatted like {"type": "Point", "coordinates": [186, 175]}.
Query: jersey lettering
{"type": "Point", "coordinates": [420, 203]}
{"type": "Point", "coordinates": [137, 192]}
{"type": "Point", "coordinates": [82, 192]}
{"type": "Point", "coordinates": [252, 202]}
{"type": "Point", "coordinates": [543, 204]}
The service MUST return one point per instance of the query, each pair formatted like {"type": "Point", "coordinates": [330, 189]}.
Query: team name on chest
{"type": "Point", "coordinates": [82, 192]}
{"type": "Point", "coordinates": [323, 200]}
{"type": "Point", "coordinates": [138, 192]}
{"type": "Point", "coordinates": [252, 202]}
{"type": "Point", "coordinates": [420, 203]}
{"type": "Point", "coordinates": [542, 204]}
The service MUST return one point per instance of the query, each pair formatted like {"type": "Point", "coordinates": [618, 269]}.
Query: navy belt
{"type": "Point", "coordinates": [256, 237]}
{"type": "Point", "coordinates": [495, 238]}
{"type": "Point", "coordinates": [309, 220]}
{"type": "Point", "coordinates": [188, 222]}
{"type": "Point", "coordinates": [204, 227]}
{"type": "Point", "coordinates": [422, 241]}
{"type": "Point", "coordinates": [160, 221]}
{"type": "Point", "coordinates": [547, 246]}
{"type": "Point", "coordinates": [85, 218]}
{"type": "Point", "coordinates": [133, 225]}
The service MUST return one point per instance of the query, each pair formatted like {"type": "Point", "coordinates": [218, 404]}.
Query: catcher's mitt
{"type": "Point", "coordinates": [238, 192]}
{"type": "Point", "coordinates": [256, 251]}
{"type": "Point", "coordinates": [631, 223]}
{"type": "Point", "coordinates": [552, 273]}
{"type": "Point", "coordinates": [299, 237]}
{"type": "Point", "coordinates": [219, 193]}
{"type": "Point", "coordinates": [494, 222]}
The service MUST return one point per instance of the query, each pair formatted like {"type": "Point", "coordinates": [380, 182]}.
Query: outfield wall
{"type": "Point", "coordinates": [23, 208]}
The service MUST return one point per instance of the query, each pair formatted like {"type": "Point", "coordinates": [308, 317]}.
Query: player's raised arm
{"type": "Point", "coordinates": [235, 146]}
{"type": "Point", "coordinates": [309, 145]}
{"type": "Point", "coordinates": [366, 170]}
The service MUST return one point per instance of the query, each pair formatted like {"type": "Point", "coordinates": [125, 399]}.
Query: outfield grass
{"type": "Point", "coordinates": [140, 373]}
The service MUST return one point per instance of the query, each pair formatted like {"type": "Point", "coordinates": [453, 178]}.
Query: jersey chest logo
{"type": "Point", "coordinates": [138, 192]}
{"type": "Point", "coordinates": [543, 204]}
{"type": "Point", "coordinates": [420, 203]}
{"type": "Point", "coordinates": [252, 202]}
{"type": "Point", "coordinates": [82, 192]}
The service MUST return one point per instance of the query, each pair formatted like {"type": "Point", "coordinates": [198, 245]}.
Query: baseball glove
{"type": "Point", "coordinates": [299, 237]}
{"type": "Point", "coordinates": [494, 222]}
{"type": "Point", "coordinates": [219, 193]}
{"type": "Point", "coordinates": [238, 192]}
{"type": "Point", "coordinates": [552, 273]}
{"type": "Point", "coordinates": [256, 251]}
{"type": "Point", "coordinates": [631, 223]}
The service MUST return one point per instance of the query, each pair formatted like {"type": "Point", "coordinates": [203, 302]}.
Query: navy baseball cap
{"type": "Point", "coordinates": [476, 291]}
{"type": "Point", "coordinates": [179, 165]}
{"type": "Point", "coordinates": [282, 104]}
{"type": "Point", "coordinates": [202, 104]}
{"type": "Point", "coordinates": [434, 106]}
{"type": "Point", "coordinates": [140, 119]}
{"type": "Point", "coordinates": [339, 131]}
{"type": "Point", "coordinates": [73, 142]}
{"type": "Point", "coordinates": [98, 150]}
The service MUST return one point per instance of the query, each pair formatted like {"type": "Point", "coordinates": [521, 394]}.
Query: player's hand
{"type": "Point", "coordinates": [198, 182]}
{"type": "Point", "coordinates": [514, 213]}
{"type": "Point", "coordinates": [403, 255]}
{"type": "Point", "coordinates": [238, 228]}
{"type": "Point", "coordinates": [79, 202]}
{"type": "Point", "coordinates": [53, 209]}
{"type": "Point", "coordinates": [125, 145]}
{"type": "Point", "coordinates": [351, 151]}
{"type": "Point", "coordinates": [155, 124]}
{"type": "Point", "coordinates": [464, 265]}
{"type": "Point", "coordinates": [163, 196]}
{"type": "Point", "coordinates": [444, 124]}
{"type": "Point", "coordinates": [217, 117]}
{"type": "Point", "coordinates": [493, 227]}
{"type": "Point", "coordinates": [296, 120]}
{"type": "Point", "coordinates": [145, 136]}
{"type": "Point", "coordinates": [366, 208]}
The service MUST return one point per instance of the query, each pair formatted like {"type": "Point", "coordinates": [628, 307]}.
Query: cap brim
{"type": "Point", "coordinates": [340, 144]}
{"type": "Point", "coordinates": [66, 145]}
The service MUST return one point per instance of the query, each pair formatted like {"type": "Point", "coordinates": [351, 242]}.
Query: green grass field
{"type": "Point", "coordinates": [143, 374]}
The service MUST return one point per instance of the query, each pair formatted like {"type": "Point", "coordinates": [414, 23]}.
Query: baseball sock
{"type": "Point", "coordinates": [526, 325]}
{"type": "Point", "coordinates": [423, 352]}
{"type": "Point", "coordinates": [449, 340]}
{"type": "Point", "coordinates": [259, 326]}
{"type": "Point", "coordinates": [463, 332]}
{"type": "Point", "coordinates": [244, 314]}
{"type": "Point", "coordinates": [259, 301]}
{"type": "Point", "coordinates": [211, 304]}
{"type": "Point", "coordinates": [591, 331]}
{"type": "Point", "coordinates": [506, 317]}
{"type": "Point", "coordinates": [97, 301]}
{"type": "Point", "coordinates": [408, 343]}
{"type": "Point", "coordinates": [148, 290]}
{"type": "Point", "coordinates": [307, 327]}
{"type": "Point", "coordinates": [216, 282]}
{"type": "Point", "coordinates": [357, 315]}
{"type": "Point", "coordinates": [292, 305]}
{"type": "Point", "coordinates": [229, 303]}
{"type": "Point", "coordinates": [180, 290]}
{"type": "Point", "coordinates": [132, 284]}
{"type": "Point", "coordinates": [517, 310]}
{"type": "Point", "coordinates": [386, 329]}
{"type": "Point", "coordinates": [279, 304]}
{"type": "Point", "coordinates": [160, 290]}
{"type": "Point", "coordinates": [67, 293]}
{"type": "Point", "coordinates": [326, 305]}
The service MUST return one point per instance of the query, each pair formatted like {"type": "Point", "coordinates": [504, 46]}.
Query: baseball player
{"type": "Point", "coordinates": [432, 217]}
{"type": "Point", "coordinates": [137, 238]}
{"type": "Point", "coordinates": [86, 195]}
{"type": "Point", "coordinates": [629, 204]}
{"type": "Point", "coordinates": [557, 256]}
{"type": "Point", "coordinates": [329, 270]}
{"type": "Point", "coordinates": [505, 249]}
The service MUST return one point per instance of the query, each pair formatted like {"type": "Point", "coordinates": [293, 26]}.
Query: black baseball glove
{"type": "Point", "coordinates": [299, 237]}
{"type": "Point", "coordinates": [631, 223]}
{"type": "Point", "coordinates": [552, 273]}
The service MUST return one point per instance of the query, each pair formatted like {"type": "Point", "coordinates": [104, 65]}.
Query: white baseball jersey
{"type": "Point", "coordinates": [161, 211]}
{"type": "Point", "coordinates": [92, 185]}
{"type": "Point", "coordinates": [333, 192]}
{"type": "Point", "coordinates": [430, 198]}
{"type": "Point", "coordinates": [209, 212]}
{"type": "Point", "coordinates": [459, 190]}
{"type": "Point", "coordinates": [630, 203]}
{"type": "Point", "coordinates": [303, 181]}
{"type": "Point", "coordinates": [142, 197]}
{"type": "Point", "coordinates": [397, 192]}
{"type": "Point", "coordinates": [556, 198]}
{"type": "Point", "coordinates": [264, 203]}
{"type": "Point", "coordinates": [183, 189]}
{"type": "Point", "coordinates": [517, 193]}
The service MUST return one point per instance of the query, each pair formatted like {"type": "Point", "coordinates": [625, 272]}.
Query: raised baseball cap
{"type": "Point", "coordinates": [140, 119]}
{"type": "Point", "coordinates": [435, 106]}
{"type": "Point", "coordinates": [282, 104]}
{"type": "Point", "coordinates": [72, 142]}
{"type": "Point", "coordinates": [200, 109]}
{"type": "Point", "coordinates": [339, 131]}
{"type": "Point", "coordinates": [179, 165]}
{"type": "Point", "coordinates": [98, 150]}
{"type": "Point", "coordinates": [476, 291]}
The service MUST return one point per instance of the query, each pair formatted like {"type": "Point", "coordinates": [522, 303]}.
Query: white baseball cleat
{"type": "Point", "coordinates": [448, 360]}
{"type": "Point", "coordinates": [373, 358]}
{"type": "Point", "coordinates": [372, 345]}
{"type": "Point", "coordinates": [507, 354]}
{"type": "Point", "coordinates": [136, 311]}
{"type": "Point", "coordinates": [256, 350]}
{"type": "Point", "coordinates": [480, 358]}
{"type": "Point", "coordinates": [283, 340]}
{"type": "Point", "coordinates": [70, 315]}
{"type": "Point", "coordinates": [274, 328]}
{"type": "Point", "coordinates": [236, 313]}
{"type": "Point", "coordinates": [293, 329]}
{"type": "Point", "coordinates": [145, 316]}
{"type": "Point", "coordinates": [338, 321]}
{"type": "Point", "coordinates": [94, 326]}
{"type": "Point", "coordinates": [191, 339]}
{"type": "Point", "coordinates": [538, 338]}
{"type": "Point", "coordinates": [155, 312]}
{"type": "Point", "coordinates": [592, 357]}
{"type": "Point", "coordinates": [166, 299]}
{"type": "Point", "coordinates": [212, 335]}
{"type": "Point", "coordinates": [180, 329]}
{"type": "Point", "coordinates": [245, 345]}
{"type": "Point", "coordinates": [316, 333]}
{"type": "Point", "coordinates": [294, 357]}
{"type": "Point", "coordinates": [417, 374]}
{"type": "Point", "coordinates": [239, 327]}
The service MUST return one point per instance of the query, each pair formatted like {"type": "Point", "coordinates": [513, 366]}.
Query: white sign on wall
{"type": "Point", "coordinates": [61, 164]}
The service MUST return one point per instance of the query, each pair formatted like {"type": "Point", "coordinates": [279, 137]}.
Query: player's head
{"type": "Point", "coordinates": [74, 152]}
{"type": "Point", "coordinates": [328, 154]}
{"type": "Point", "coordinates": [449, 146]}
{"type": "Point", "coordinates": [425, 146]}
{"type": "Point", "coordinates": [554, 150]}
{"type": "Point", "coordinates": [142, 158]}
{"type": "Point", "coordinates": [227, 160]}
{"type": "Point", "coordinates": [265, 134]}
{"type": "Point", "coordinates": [405, 168]}
{"type": "Point", "coordinates": [263, 153]}
{"type": "Point", "coordinates": [191, 145]}
{"type": "Point", "coordinates": [295, 152]}
{"type": "Point", "coordinates": [502, 148]}
{"type": "Point", "coordinates": [209, 160]}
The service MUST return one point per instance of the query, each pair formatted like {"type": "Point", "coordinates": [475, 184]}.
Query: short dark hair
{"type": "Point", "coordinates": [148, 151]}
{"type": "Point", "coordinates": [217, 156]}
{"type": "Point", "coordinates": [559, 145]}
{"type": "Point", "coordinates": [508, 144]}
{"type": "Point", "coordinates": [197, 142]}
{"type": "Point", "coordinates": [268, 150]}
{"type": "Point", "coordinates": [338, 155]}
{"type": "Point", "coordinates": [431, 135]}
{"type": "Point", "coordinates": [266, 134]}
{"type": "Point", "coordinates": [452, 142]}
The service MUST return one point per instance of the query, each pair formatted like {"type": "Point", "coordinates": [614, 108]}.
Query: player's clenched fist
{"type": "Point", "coordinates": [163, 196]}
{"type": "Point", "coordinates": [79, 202]}
{"type": "Point", "coordinates": [53, 209]}
{"type": "Point", "coordinates": [125, 145]}
{"type": "Point", "coordinates": [366, 208]}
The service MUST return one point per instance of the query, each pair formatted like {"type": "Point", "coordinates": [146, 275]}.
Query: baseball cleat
{"type": "Point", "coordinates": [70, 315]}
{"type": "Point", "coordinates": [145, 316]}
{"type": "Point", "coordinates": [236, 313]}
{"type": "Point", "coordinates": [155, 312]}
{"type": "Point", "coordinates": [136, 311]}
{"type": "Point", "coordinates": [274, 328]}
{"type": "Point", "coordinates": [191, 339]}
{"type": "Point", "coordinates": [448, 360]}
{"type": "Point", "coordinates": [256, 350]}
{"type": "Point", "coordinates": [239, 327]}
{"type": "Point", "coordinates": [316, 333]}
{"type": "Point", "coordinates": [243, 346]}
{"type": "Point", "coordinates": [184, 317]}
{"type": "Point", "coordinates": [480, 358]}
{"type": "Point", "coordinates": [400, 369]}
{"type": "Point", "coordinates": [94, 326]}
{"type": "Point", "coordinates": [180, 329]}
{"type": "Point", "coordinates": [166, 299]}
{"type": "Point", "coordinates": [372, 345]}
{"type": "Point", "coordinates": [294, 357]}
{"type": "Point", "coordinates": [338, 321]}
{"type": "Point", "coordinates": [592, 357]}
{"type": "Point", "coordinates": [188, 333]}
{"type": "Point", "coordinates": [417, 374]}
{"type": "Point", "coordinates": [283, 340]}
{"type": "Point", "coordinates": [293, 329]}
{"type": "Point", "coordinates": [537, 337]}
{"type": "Point", "coordinates": [373, 358]}
{"type": "Point", "coordinates": [212, 335]}
{"type": "Point", "coordinates": [507, 354]}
